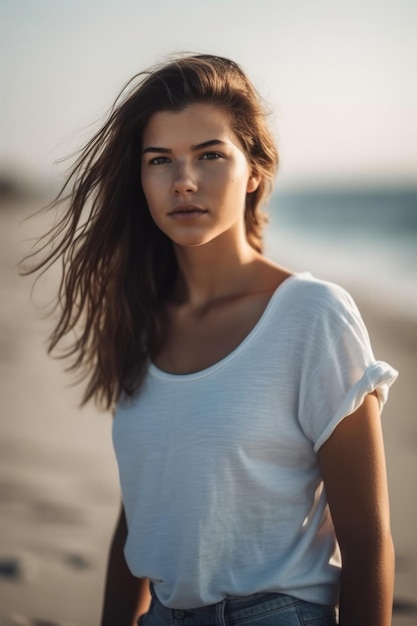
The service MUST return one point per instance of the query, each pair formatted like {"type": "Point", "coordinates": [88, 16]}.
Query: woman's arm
{"type": "Point", "coordinates": [126, 597]}
{"type": "Point", "coordinates": [354, 474]}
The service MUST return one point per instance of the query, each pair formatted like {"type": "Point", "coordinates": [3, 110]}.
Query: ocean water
{"type": "Point", "coordinates": [364, 239]}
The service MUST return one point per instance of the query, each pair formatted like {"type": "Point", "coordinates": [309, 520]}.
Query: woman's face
{"type": "Point", "coordinates": [195, 174]}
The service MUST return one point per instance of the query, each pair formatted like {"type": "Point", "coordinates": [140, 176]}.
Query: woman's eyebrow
{"type": "Point", "coordinates": [206, 144]}
{"type": "Point", "coordinates": [199, 146]}
{"type": "Point", "coordinates": [154, 149]}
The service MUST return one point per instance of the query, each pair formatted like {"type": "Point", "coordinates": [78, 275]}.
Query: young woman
{"type": "Point", "coordinates": [246, 396]}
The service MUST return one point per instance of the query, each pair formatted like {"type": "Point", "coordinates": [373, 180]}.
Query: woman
{"type": "Point", "coordinates": [247, 396]}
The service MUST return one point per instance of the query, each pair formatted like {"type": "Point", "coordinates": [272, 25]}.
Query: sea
{"type": "Point", "coordinates": [365, 239]}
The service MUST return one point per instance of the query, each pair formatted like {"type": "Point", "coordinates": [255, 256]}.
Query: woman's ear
{"type": "Point", "coordinates": [253, 182]}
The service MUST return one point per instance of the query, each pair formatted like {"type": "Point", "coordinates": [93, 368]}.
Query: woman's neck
{"type": "Point", "coordinates": [213, 271]}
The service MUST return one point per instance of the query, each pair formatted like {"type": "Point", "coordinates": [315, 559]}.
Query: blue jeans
{"type": "Point", "coordinates": [260, 609]}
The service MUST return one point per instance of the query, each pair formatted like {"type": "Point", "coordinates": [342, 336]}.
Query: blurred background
{"type": "Point", "coordinates": [340, 79]}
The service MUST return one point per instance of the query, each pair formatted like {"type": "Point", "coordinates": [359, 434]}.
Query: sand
{"type": "Point", "coordinates": [58, 478]}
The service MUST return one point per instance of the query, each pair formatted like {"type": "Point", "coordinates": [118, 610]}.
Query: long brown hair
{"type": "Point", "coordinates": [118, 267]}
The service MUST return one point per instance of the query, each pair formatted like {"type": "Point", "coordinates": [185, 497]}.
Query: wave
{"type": "Point", "coordinates": [363, 239]}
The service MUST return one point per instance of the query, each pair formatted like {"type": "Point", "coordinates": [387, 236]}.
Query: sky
{"type": "Point", "coordinates": [340, 77]}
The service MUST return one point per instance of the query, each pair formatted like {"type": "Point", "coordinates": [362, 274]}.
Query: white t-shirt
{"type": "Point", "coordinates": [218, 469]}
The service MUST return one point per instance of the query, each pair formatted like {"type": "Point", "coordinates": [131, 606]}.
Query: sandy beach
{"type": "Point", "coordinates": [58, 478]}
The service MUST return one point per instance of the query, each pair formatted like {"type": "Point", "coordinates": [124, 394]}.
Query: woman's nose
{"type": "Point", "coordinates": [184, 179]}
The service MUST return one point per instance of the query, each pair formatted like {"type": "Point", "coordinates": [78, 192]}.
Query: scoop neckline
{"type": "Point", "coordinates": [283, 286]}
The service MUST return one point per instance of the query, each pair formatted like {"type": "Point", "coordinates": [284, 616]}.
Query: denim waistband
{"type": "Point", "coordinates": [241, 608]}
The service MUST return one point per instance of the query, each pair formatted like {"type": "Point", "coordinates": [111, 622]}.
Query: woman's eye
{"type": "Point", "coordinates": [211, 156]}
{"type": "Point", "coordinates": [159, 160]}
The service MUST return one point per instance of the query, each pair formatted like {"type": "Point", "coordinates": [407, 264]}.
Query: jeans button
{"type": "Point", "coordinates": [179, 614]}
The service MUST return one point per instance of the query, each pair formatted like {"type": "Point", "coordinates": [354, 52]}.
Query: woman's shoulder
{"type": "Point", "coordinates": [308, 298]}
{"type": "Point", "coordinates": [308, 287]}
{"type": "Point", "coordinates": [305, 286]}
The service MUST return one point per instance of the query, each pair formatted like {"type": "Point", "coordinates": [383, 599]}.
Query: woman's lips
{"type": "Point", "coordinates": [187, 211]}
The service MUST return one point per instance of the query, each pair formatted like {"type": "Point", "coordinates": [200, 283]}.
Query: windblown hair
{"type": "Point", "coordinates": [118, 267]}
